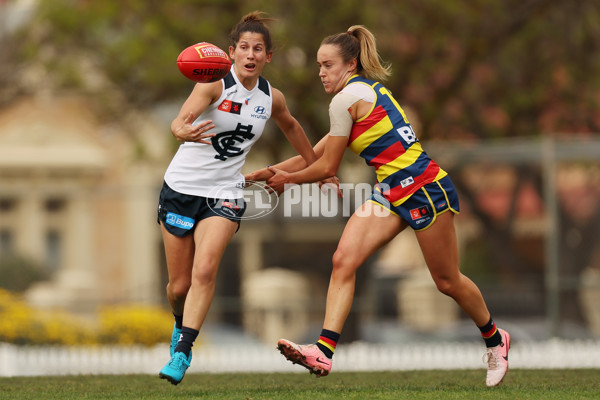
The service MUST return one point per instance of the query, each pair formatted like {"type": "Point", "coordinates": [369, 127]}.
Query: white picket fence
{"type": "Point", "coordinates": [39, 361]}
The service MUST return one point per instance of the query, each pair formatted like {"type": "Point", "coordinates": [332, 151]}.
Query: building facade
{"type": "Point", "coordinates": [76, 196]}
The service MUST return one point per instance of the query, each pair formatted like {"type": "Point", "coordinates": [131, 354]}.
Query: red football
{"type": "Point", "coordinates": [203, 63]}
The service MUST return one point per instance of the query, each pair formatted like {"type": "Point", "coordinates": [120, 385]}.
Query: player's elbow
{"type": "Point", "coordinates": [330, 170]}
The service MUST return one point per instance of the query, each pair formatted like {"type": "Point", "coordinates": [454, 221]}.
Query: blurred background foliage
{"type": "Point", "coordinates": [466, 70]}
{"type": "Point", "coordinates": [18, 273]}
{"type": "Point", "coordinates": [120, 325]}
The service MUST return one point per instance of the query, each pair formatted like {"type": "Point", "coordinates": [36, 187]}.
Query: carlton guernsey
{"type": "Point", "coordinates": [215, 170]}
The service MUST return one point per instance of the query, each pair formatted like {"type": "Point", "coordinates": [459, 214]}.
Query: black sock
{"type": "Point", "coordinates": [178, 321]}
{"type": "Point", "coordinates": [490, 334]}
{"type": "Point", "coordinates": [186, 340]}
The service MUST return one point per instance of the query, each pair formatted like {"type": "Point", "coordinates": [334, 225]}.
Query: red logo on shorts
{"type": "Point", "coordinates": [418, 213]}
{"type": "Point", "coordinates": [231, 205]}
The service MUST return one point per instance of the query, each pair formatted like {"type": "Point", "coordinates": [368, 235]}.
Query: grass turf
{"type": "Point", "coordinates": [456, 384]}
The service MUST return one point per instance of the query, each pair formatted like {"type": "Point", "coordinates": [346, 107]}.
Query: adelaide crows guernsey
{"type": "Point", "coordinates": [215, 170]}
{"type": "Point", "coordinates": [387, 142]}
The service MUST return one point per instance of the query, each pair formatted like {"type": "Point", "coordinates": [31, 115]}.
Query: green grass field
{"type": "Point", "coordinates": [463, 384]}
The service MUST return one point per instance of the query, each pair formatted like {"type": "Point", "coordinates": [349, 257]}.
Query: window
{"type": "Point", "coordinates": [53, 249]}
{"type": "Point", "coordinates": [7, 204]}
{"type": "Point", "coordinates": [54, 205]}
{"type": "Point", "coordinates": [6, 242]}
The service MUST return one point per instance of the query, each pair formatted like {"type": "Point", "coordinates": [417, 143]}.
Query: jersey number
{"type": "Point", "coordinates": [407, 133]}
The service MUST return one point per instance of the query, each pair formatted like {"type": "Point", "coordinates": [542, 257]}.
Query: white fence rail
{"type": "Point", "coordinates": [40, 361]}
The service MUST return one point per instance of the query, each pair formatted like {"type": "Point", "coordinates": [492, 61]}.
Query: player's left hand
{"type": "Point", "coordinates": [278, 180]}
{"type": "Point", "coordinates": [332, 183]}
{"type": "Point", "coordinates": [258, 175]}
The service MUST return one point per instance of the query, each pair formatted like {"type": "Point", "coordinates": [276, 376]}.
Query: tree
{"type": "Point", "coordinates": [465, 70]}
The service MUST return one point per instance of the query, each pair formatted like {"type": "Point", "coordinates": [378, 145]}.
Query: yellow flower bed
{"type": "Point", "coordinates": [135, 325]}
{"type": "Point", "coordinates": [127, 325]}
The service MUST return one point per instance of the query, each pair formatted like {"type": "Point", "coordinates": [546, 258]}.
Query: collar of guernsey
{"type": "Point", "coordinates": [387, 142]}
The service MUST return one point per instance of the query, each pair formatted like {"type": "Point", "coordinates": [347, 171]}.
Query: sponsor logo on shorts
{"type": "Point", "coordinates": [419, 213]}
{"type": "Point", "coordinates": [179, 221]}
{"type": "Point", "coordinates": [258, 200]}
{"type": "Point", "coordinates": [228, 208]}
{"type": "Point", "coordinates": [440, 205]}
{"type": "Point", "coordinates": [230, 205]}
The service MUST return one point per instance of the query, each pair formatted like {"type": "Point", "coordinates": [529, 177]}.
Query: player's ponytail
{"type": "Point", "coordinates": [358, 42]}
{"type": "Point", "coordinates": [252, 22]}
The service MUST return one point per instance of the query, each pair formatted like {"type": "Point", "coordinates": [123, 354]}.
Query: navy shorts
{"type": "Point", "coordinates": [180, 213]}
{"type": "Point", "coordinates": [421, 209]}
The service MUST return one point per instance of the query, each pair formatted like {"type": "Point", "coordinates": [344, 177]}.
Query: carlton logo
{"type": "Point", "coordinates": [227, 143]}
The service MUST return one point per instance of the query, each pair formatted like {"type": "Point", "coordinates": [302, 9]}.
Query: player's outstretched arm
{"type": "Point", "coordinates": [292, 164]}
{"type": "Point", "coordinates": [325, 167]}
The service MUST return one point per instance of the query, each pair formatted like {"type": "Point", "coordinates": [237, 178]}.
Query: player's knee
{"type": "Point", "coordinates": [204, 274]}
{"type": "Point", "coordinates": [178, 289]}
{"type": "Point", "coordinates": [446, 285]}
{"type": "Point", "coordinates": [343, 263]}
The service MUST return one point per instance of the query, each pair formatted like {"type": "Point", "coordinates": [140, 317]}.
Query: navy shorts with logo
{"type": "Point", "coordinates": [421, 209]}
{"type": "Point", "coordinates": [180, 213]}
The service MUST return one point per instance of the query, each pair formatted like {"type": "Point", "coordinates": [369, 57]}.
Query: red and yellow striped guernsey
{"type": "Point", "coordinates": [387, 142]}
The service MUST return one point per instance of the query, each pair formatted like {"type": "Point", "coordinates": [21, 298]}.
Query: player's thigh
{"type": "Point", "coordinates": [179, 253]}
{"type": "Point", "coordinates": [212, 235]}
{"type": "Point", "coordinates": [439, 246]}
{"type": "Point", "coordinates": [367, 230]}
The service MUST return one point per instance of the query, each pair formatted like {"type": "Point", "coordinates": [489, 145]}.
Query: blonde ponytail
{"type": "Point", "coordinates": [358, 42]}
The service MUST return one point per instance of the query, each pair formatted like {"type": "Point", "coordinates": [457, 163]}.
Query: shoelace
{"type": "Point", "coordinates": [177, 361]}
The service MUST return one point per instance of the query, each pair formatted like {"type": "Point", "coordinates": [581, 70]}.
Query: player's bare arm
{"type": "Point", "coordinates": [325, 167]}
{"type": "Point", "coordinates": [203, 95]}
{"type": "Point", "coordinates": [292, 164]}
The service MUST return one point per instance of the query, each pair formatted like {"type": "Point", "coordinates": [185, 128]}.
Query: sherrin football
{"type": "Point", "coordinates": [203, 63]}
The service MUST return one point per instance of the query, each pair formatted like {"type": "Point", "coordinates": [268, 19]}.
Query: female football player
{"type": "Point", "coordinates": [201, 202]}
{"type": "Point", "coordinates": [411, 187]}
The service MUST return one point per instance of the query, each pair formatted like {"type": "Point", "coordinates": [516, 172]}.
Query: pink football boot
{"type": "Point", "coordinates": [497, 358]}
{"type": "Point", "coordinates": [309, 356]}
